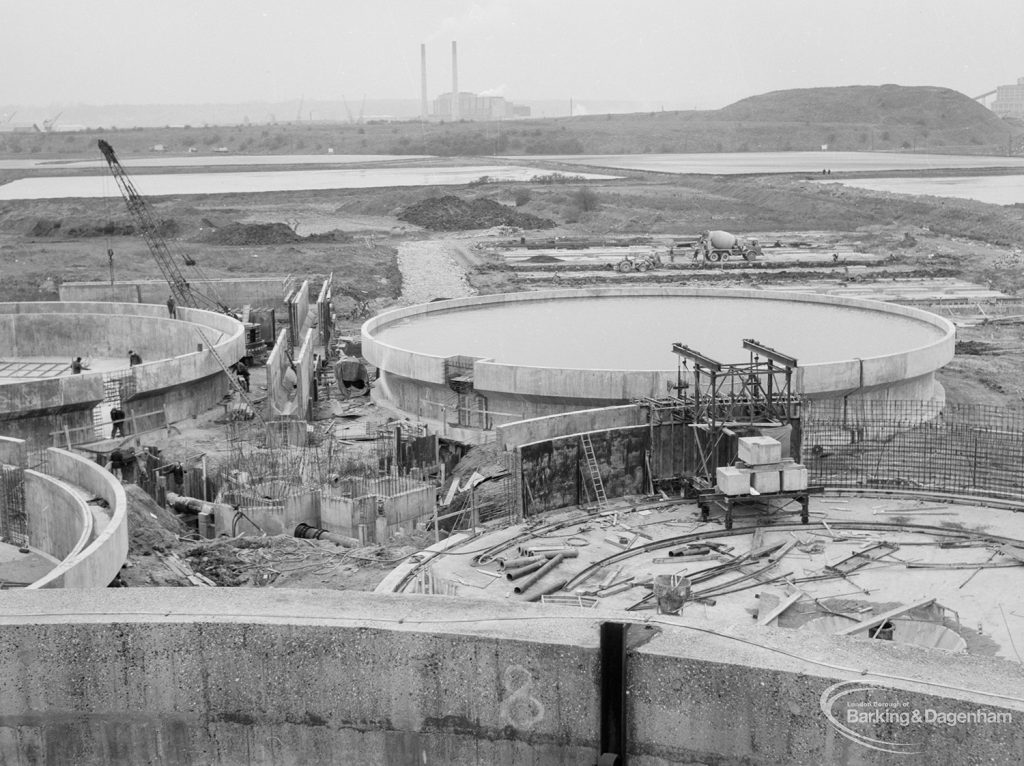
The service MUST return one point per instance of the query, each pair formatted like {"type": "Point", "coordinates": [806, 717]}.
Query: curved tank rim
{"type": "Point", "coordinates": [391, 315]}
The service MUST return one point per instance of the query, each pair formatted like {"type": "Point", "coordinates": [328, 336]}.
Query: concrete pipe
{"type": "Point", "coordinates": [525, 569]}
{"type": "Point", "coordinates": [315, 533]}
{"type": "Point", "coordinates": [547, 590]}
{"type": "Point", "coordinates": [536, 576]}
{"type": "Point", "coordinates": [184, 504]}
{"type": "Point", "coordinates": [506, 564]}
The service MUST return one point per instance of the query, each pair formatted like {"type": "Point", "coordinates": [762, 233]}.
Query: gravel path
{"type": "Point", "coordinates": [431, 270]}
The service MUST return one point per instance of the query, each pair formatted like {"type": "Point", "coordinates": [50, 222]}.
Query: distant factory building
{"type": "Point", "coordinates": [470, 106]}
{"type": "Point", "coordinates": [1010, 100]}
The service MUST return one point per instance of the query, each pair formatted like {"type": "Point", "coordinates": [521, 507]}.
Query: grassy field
{"type": "Point", "coordinates": [882, 118]}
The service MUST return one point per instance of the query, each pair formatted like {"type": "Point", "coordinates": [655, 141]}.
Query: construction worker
{"type": "Point", "coordinates": [172, 307]}
{"type": "Point", "coordinates": [242, 371]}
{"type": "Point", "coordinates": [76, 365]}
{"type": "Point", "coordinates": [116, 463]}
{"type": "Point", "coordinates": [116, 422]}
{"type": "Point", "coordinates": [133, 359]}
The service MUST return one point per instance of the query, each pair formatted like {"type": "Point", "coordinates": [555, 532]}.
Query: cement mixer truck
{"type": "Point", "coordinates": [720, 245]}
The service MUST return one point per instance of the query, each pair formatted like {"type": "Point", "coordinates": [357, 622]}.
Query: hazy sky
{"type": "Point", "coordinates": [697, 54]}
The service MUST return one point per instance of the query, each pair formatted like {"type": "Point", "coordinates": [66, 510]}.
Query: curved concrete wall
{"type": "Point", "coordinates": [539, 391]}
{"type": "Point", "coordinates": [98, 562]}
{"type": "Point", "coordinates": [59, 521]}
{"type": "Point", "coordinates": [225, 676]}
{"type": "Point", "coordinates": [175, 375]}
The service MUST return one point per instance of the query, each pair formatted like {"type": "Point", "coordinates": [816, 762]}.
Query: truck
{"type": "Point", "coordinates": [721, 245]}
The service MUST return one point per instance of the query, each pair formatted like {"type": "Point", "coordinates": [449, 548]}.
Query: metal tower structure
{"type": "Point", "coordinates": [723, 397]}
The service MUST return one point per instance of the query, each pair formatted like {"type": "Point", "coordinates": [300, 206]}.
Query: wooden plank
{"type": "Point", "coordinates": [779, 554]}
{"type": "Point", "coordinates": [879, 619]}
{"type": "Point", "coordinates": [774, 614]}
{"type": "Point", "coordinates": [764, 550]}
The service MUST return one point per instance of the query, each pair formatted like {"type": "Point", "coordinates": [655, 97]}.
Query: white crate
{"type": "Point", "coordinates": [794, 477]}
{"type": "Point", "coordinates": [766, 482]}
{"type": "Point", "coordinates": [733, 481]}
{"type": "Point", "coordinates": [759, 450]}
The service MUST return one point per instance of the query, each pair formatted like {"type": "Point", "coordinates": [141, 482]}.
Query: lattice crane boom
{"type": "Point", "coordinates": [149, 226]}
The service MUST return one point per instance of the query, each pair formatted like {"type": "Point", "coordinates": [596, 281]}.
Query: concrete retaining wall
{"type": "Point", "coordinates": [280, 381]}
{"type": "Point", "coordinates": [100, 561]}
{"type": "Point", "coordinates": [343, 515]}
{"type": "Point", "coordinates": [404, 510]}
{"type": "Point", "coordinates": [304, 371]}
{"type": "Point", "coordinates": [538, 429]}
{"type": "Point", "coordinates": [13, 451]}
{"type": "Point", "coordinates": [298, 313]}
{"type": "Point", "coordinates": [279, 519]}
{"type": "Point", "coordinates": [225, 676]}
{"type": "Point", "coordinates": [257, 292]}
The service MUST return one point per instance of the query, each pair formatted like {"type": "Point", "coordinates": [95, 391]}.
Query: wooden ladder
{"type": "Point", "coordinates": [595, 471]}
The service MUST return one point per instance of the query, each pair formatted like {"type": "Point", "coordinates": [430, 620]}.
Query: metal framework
{"type": "Point", "coordinates": [149, 226]}
{"type": "Point", "coordinates": [938, 447]}
{"type": "Point", "coordinates": [757, 394]}
{"type": "Point", "coordinates": [13, 515]}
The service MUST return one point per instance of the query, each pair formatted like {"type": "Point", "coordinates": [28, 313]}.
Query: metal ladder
{"type": "Point", "coordinates": [232, 378]}
{"type": "Point", "coordinates": [595, 471]}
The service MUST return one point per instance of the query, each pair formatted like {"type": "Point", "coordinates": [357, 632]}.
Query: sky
{"type": "Point", "coordinates": [682, 53]}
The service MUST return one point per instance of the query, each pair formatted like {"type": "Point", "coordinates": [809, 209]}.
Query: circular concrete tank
{"type": "Point", "coordinates": [39, 396]}
{"type": "Point", "coordinates": [530, 354]}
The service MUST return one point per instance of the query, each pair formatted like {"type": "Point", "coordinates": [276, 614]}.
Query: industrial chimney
{"type": "Point", "coordinates": [455, 82]}
{"type": "Point", "coordinates": [423, 81]}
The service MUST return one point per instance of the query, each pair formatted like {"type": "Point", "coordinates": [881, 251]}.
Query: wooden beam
{"type": "Point", "coordinates": [879, 619]}
{"type": "Point", "coordinates": [768, 617]}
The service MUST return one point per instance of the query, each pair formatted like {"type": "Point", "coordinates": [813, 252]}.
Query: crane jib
{"type": "Point", "coordinates": [149, 226]}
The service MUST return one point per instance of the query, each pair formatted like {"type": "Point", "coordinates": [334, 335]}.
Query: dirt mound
{"type": "Point", "coordinates": [54, 227]}
{"type": "Point", "coordinates": [44, 227]}
{"type": "Point", "coordinates": [252, 234]}
{"type": "Point", "coordinates": [334, 235]}
{"type": "Point", "coordinates": [543, 259]}
{"type": "Point", "coordinates": [883, 105]}
{"type": "Point", "coordinates": [150, 527]}
{"type": "Point", "coordinates": [450, 213]}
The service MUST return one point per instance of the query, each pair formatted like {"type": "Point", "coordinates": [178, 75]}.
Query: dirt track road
{"type": "Point", "coordinates": [430, 269]}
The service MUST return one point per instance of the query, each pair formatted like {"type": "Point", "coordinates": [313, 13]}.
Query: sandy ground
{"type": "Point", "coordinates": [431, 270]}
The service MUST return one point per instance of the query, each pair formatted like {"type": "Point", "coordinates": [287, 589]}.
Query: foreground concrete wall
{"type": "Point", "coordinates": [258, 292]}
{"type": "Point", "coordinates": [100, 561]}
{"type": "Point", "coordinates": [218, 676]}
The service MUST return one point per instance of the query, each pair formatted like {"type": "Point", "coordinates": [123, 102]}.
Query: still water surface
{"type": "Point", "coordinates": [629, 333]}
{"type": "Point", "coordinates": [158, 185]}
{"type": "Point", "coordinates": [996, 190]}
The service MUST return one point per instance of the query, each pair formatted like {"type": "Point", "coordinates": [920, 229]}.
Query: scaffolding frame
{"type": "Point", "coordinates": [723, 397]}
